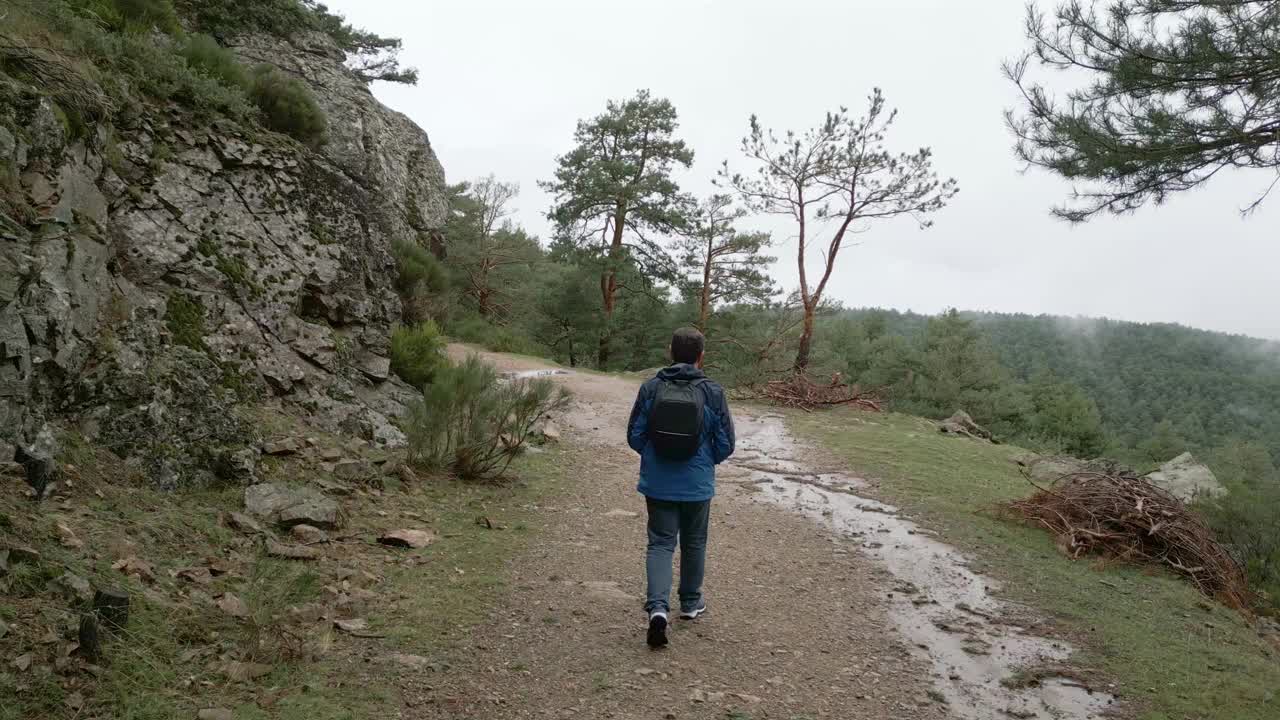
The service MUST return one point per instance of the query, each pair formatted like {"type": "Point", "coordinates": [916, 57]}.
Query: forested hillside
{"type": "Point", "coordinates": [1157, 387]}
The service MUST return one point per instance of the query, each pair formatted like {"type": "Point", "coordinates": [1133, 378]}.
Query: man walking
{"type": "Point", "coordinates": [682, 428]}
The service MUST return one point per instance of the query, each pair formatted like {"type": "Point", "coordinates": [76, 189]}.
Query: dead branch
{"type": "Point", "coordinates": [1120, 515]}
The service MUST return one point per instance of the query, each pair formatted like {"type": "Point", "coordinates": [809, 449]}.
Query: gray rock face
{"type": "Point", "coordinates": [155, 277]}
{"type": "Point", "coordinates": [1187, 479]}
{"type": "Point", "coordinates": [291, 506]}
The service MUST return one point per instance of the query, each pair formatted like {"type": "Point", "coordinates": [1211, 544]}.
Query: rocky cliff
{"type": "Point", "coordinates": [158, 273]}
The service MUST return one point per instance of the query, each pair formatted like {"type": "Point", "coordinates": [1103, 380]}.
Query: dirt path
{"type": "Point", "coordinates": [802, 623]}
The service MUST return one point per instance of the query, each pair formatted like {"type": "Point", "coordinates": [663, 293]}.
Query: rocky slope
{"type": "Point", "coordinates": [156, 273]}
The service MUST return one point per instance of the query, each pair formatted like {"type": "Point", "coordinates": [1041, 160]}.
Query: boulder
{"type": "Point", "coordinates": [356, 471]}
{"type": "Point", "coordinates": [962, 424]}
{"type": "Point", "coordinates": [283, 446]}
{"type": "Point", "coordinates": [408, 538]}
{"type": "Point", "coordinates": [74, 587]}
{"type": "Point", "coordinates": [1187, 479]}
{"type": "Point", "coordinates": [238, 466]}
{"type": "Point", "coordinates": [291, 552]}
{"type": "Point", "coordinates": [242, 522]}
{"type": "Point", "coordinates": [290, 506]}
{"type": "Point", "coordinates": [1046, 469]}
{"type": "Point", "coordinates": [307, 534]}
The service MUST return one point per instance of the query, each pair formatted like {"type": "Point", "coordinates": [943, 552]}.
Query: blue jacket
{"type": "Point", "coordinates": [691, 480]}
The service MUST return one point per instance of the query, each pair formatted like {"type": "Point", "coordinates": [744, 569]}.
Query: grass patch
{"type": "Point", "coordinates": [1171, 653]}
{"type": "Point", "coordinates": [177, 640]}
{"type": "Point", "coordinates": [456, 580]}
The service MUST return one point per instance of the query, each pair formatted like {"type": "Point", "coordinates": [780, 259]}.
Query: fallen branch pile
{"type": "Point", "coordinates": [797, 390]}
{"type": "Point", "coordinates": [1127, 517]}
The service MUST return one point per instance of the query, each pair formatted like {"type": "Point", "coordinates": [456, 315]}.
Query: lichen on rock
{"type": "Point", "coordinates": [158, 272]}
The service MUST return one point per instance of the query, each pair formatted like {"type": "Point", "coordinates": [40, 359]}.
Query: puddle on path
{"type": "Point", "coordinates": [528, 374]}
{"type": "Point", "coordinates": [943, 609]}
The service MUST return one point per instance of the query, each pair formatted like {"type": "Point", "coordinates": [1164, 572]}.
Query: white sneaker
{"type": "Point", "coordinates": [694, 613]}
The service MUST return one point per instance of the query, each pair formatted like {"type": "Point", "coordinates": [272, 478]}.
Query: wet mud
{"type": "Point", "coordinates": [984, 663]}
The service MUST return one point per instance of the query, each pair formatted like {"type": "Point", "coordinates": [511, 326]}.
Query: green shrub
{"type": "Point", "coordinates": [1247, 521]}
{"type": "Point", "coordinates": [144, 15]}
{"type": "Point", "coordinates": [287, 105]}
{"type": "Point", "coordinates": [473, 425]}
{"type": "Point", "coordinates": [421, 280]}
{"type": "Point", "coordinates": [184, 316]}
{"type": "Point", "coordinates": [498, 338]}
{"type": "Point", "coordinates": [417, 353]}
{"type": "Point", "coordinates": [372, 57]}
{"type": "Point", "coordinates": [100, 71]}
{"type": "Point", "coordinates": [206, 56]}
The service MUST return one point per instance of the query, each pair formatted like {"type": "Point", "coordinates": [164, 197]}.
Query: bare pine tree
{"type": "Point", "coordinates": [834, 181]}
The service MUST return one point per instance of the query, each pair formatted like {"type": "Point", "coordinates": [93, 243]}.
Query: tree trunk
{"type": "Point", "coordinates": [704, 308]}
{"type": "Point", "coordinates": [806, 338]}
{"type": "Point", "coordinates": [609, 284]}
{"type": "Point", "coordinates": [602, 352]}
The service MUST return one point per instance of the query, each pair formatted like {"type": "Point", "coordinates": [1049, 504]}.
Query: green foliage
{"type": "Point", "coordinates": [567, 305]}
{"type": "Point", "coordinates": [236, 271]}
{"type": "Point", "coordinates": [471, 424]}
{"type": "Point", "coordinates": [371, 57]}
{"type": "Point", "coordinates": [205, 55]}
{"type": "Point", "coordinates": [1066, 419]}
{"type": "Point", "coordinates": [417, 353]}
{"type": "Point", "coordinates": [490, 258]}
{"type": "Point", "coordinates": [184, 316]}
{"type": "Point", "coordinates": [226, 19]}
{"type": "Point", "coordinates": [614, 192]}
{"type": "Point", "coordinates": [721, 265]}
{"type": "Point", "coordinates": [1159, 389]}
{"type": "Point", "coordinates": [470, 328]}
{"type": "Point", "coordinates": [287, 105]}
{"type": "Point", "coordinates": [1198, 390]}
{"type": "Point", "coordinates": [833, 180]}
{"type": "Point", "coordinates": [94, 70]}
{"type": "Point", "coordinates": [1247, 519]}
{"type": "Point", "coordinates": [144, 15]}
{"type": "Point", "coordinates": [1164, 444]}
{"type": "Point", "coordinates": [421, 280]}
{"type": "Point", "coordinates": [1173, 93]}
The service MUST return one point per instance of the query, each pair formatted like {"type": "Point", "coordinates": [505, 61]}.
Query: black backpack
{"type": "Point", "coordinates": [675, 420]}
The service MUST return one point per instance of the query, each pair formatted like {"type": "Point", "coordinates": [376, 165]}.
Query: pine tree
{"type": "Point", "coordinates": [1178, 90]}
{"type": "Point", "coordinates": [486, 250]}
{"type": "Point", "coordinates": [615, 198]}
{"type": "Point", "coordinates": [836, 178]}
{"type": "Point", "coordinates": [724, 265]}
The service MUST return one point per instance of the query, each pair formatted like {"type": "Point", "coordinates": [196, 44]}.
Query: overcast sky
{"type": "Point", "coordinates": [503, 83]}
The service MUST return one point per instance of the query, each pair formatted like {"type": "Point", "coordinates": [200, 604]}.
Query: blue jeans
{"type": "Point", "coordinates": [670, 522]}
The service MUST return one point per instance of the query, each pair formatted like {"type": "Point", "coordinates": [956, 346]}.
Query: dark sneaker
{"type": "Point", "coordinates": [657, 629]}
{"type": "Point", "coordinates": [695, 612]}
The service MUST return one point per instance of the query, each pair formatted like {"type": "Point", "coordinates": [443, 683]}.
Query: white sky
{"type": "Point", "coordinates": [503, 83]}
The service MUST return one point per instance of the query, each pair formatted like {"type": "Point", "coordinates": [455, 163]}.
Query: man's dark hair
{"type": "Point", "coordinates": [687, 345]}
